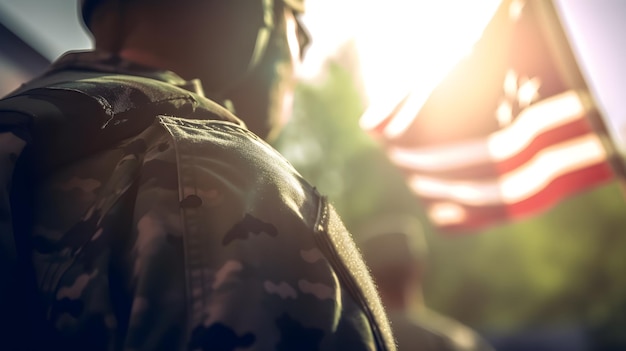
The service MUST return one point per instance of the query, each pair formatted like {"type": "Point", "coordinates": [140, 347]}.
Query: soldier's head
{"type": "Point", "coordinates": [394, 248]}
{"type": "Point", "coordinates": [245, 51]}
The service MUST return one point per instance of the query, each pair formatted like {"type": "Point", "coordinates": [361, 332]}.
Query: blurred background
{"type": "Point", "coordinates": [552, 281]}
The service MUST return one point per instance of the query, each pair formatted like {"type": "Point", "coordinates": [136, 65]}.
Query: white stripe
{"type": "Point", "coordinates": [443, 158]}
{"type": "Point", "coordinates": [520, 184]}
{"type": "Point", "coordinates": [447, 213]}
{"type": "Point", "coordinates": [405, 116]}
{"type": "Point", "coordinates": [545, 115]}
{"type": "Point", "coordinates": [376, 114]}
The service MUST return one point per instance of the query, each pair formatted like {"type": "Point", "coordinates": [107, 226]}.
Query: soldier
{"type": "Point", "coordinates": [394, 247]}
{"type": "Point", "coordinates": [137, 213]}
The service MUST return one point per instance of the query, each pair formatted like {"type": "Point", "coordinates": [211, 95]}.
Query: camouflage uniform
{"type": "Point", "coordinates": [153, 220]}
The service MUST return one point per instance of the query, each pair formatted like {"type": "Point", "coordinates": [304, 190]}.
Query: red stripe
{"type": "Point", "coordinates": [563, 186]}
{"type": "Point", "coordinates": [560, 188]}
{"type": "Point", "coordinates": [378, 130]}
{"type": "Point", "coordinates": [490, 170]}
{"type": "Point", "coordinates": [551, 137]}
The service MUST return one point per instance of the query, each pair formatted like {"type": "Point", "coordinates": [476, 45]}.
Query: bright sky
{"type": "Point", "coordinates": [402, 44]}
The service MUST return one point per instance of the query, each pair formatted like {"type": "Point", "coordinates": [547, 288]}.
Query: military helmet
{"type": "Point", "coordinates": [87, 7]}
{"type": "Point", "coordinates": [392, 239]}
{"type": "Point", "coordinates": [266, 10]}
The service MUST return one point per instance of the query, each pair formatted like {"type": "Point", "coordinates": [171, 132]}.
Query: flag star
{"type": "Point", "coordinates": [519, 93]}
{"type": "Point", "coordinates": [528, 91]}
{"type": "Point", "coordinates": [504, 113]}
{"type": "Point", "coordinates": [515, 9]}
{"type": "Point", "coordinates": [510, 84]}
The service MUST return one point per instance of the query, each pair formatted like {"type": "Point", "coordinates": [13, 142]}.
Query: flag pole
{"type": "Point", "coordinates": [552, 27]}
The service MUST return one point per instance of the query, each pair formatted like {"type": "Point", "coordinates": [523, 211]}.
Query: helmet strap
{"type": "Point", "coordinates": [263, 35]}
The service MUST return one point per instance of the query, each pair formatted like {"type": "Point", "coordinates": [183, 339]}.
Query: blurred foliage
{"type": "Point", "coordinates": [564, 267]}
{"type": "Point", "coordinates": [324, 142]}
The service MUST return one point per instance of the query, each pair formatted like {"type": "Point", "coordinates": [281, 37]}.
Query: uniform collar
{"type": "Point", "coordinates": [107, 62]}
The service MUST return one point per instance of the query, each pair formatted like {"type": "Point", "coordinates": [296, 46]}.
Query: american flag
{"type": "Point", "coordinates": [506, 134]}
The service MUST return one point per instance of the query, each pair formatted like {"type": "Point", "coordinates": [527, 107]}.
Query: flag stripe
{"type": "Point", "coordinates": [517, 139]}
{"type": "Point", "coordinates": [524, 182]}
{"type": "Point", "coordinates": [378, 116]}
{"type": "Point", "coordinates": [452, 216]}
{"type": "Point", "coordinates": [404, 116]}
{"type": "Point", "coordinates": [569, 131]}
{"type": "Point", "coordinates": [543, 116]}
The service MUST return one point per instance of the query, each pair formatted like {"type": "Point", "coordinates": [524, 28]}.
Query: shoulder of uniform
{"type": "Point", "coordinates": [86, 113]}
{"type": "Point", "coordinates": [109, 95]}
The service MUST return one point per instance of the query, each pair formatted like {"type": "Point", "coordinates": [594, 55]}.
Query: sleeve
{"type": "Point", "coordinates": [11, 146]}
{"type": "Point", "coordinates": [13, 141]}
{"type": "Point", "coordinates": [347, 259]}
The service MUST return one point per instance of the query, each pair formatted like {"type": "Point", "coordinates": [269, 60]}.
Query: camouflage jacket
{"type": "Point", "coordinates": [138, 215]}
